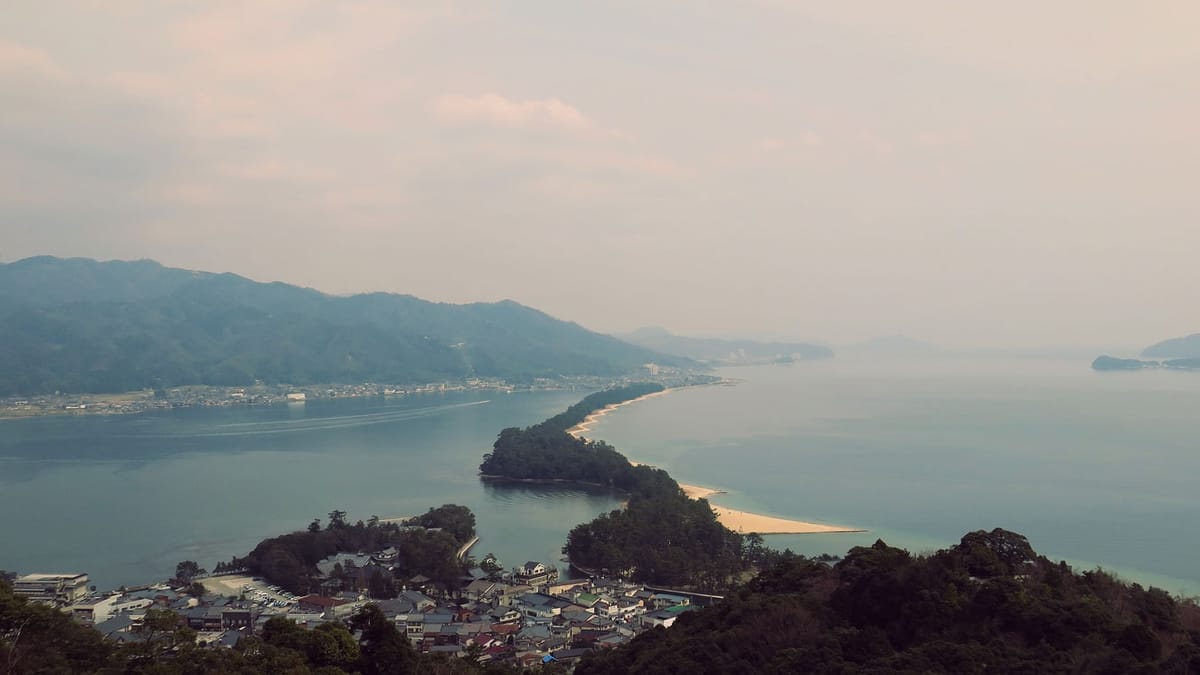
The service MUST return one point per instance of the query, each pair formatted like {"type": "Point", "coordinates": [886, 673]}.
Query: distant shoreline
{"type": "Point", "coordinates": [742, 522]}
{"type": "Point", "coordinates": [213, 396]}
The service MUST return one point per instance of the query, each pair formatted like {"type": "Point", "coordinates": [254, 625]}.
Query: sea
{"type": "Point", "coordinates": [1098, 469]}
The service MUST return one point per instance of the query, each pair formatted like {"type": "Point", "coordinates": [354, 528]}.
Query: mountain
{"type": "Point", "coordinates": [78, 325]}
{"type": "Point", "coordinates": [724, 352]}
{"type": "Point", "coordinates": [1175, 348]}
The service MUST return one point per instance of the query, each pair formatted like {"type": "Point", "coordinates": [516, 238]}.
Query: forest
{"type": "Point", "coordinates": [660, 537]}
{"type": "Point", "coordinates": [989, 604]}
{"type": "Point", "coordinates": [290, 560]}
{"type": "Point", "coordinates": [78, 325]}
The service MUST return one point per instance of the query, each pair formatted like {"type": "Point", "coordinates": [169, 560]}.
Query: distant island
{"type": "Point", "coordinates": [1114, 363]}
{"type": "Point", "coordinates": [723, 352]}
{"type": "Point", "coordinates": [1175, 354]}
{"type": "Point", "coordinates": [82, 326]}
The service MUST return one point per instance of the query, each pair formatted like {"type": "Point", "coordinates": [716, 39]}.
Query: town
{"type": "Point", "coordinates": [263, 394]}
{"type": "Point", "coordinates": [525, 616]}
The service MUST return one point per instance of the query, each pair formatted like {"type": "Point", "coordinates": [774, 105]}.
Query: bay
{"type": "Point", "coordinates": [125, 497]}
{"type": "Point", "coordinates": [1096, 468]}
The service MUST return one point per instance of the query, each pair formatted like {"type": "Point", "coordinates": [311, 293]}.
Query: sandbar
{"type": "Point", "coordinates": [739, 521]}
{"type": "Point", "coordinates": [745, 522]}
{"type": "Point", "coordinates": [586, 425]}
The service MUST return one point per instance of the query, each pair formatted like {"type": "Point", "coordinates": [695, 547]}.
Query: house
{"type": "Point", "coordinates": [387, 557]}
{"type": "Point", "coordinates": [236, 618]}
{"type": "Point", "coordinates": [664, 617]}
{"type": "Point", "coordinates": [541, 606]}
{"type": "Point", "coordinates": [448, 649]}
{"type": "Point", "coordinates": [563, 587]}
{"type": "Point", "coordinates": [504, 594]}
{"type": "Point", "coordinates": [419, 600]}
{"type": "Point", "coordinates": [204, 619]}
{"type": "Point", "coordinates": [665, 600]}
{"type": "Point", "coordinates": [534, 574]}
{"type": "Point", "coordinates": [480, 589]}
{"type": "Point", "coordinates": [569, 657]}
{"type": "Point", "coordinates": [230, 638]}
{"type": "Point", "coordinates": [504, 615]}
{"type": "Point", "coordinates": [533, 636]}
{"type": "Point", "coordinates": [611, 640]}
{"type": "Point", "coordinates": [117, 624]}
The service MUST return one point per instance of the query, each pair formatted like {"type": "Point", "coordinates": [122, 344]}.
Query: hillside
{"type": "Point", "coordinates": [1176, 348]}
{"type": "Point", "coordinates": [78, 325]}
{"type": "Point", "coordinates": [719, 351]}
{"type": "Point", "coordinates": [989, 604]}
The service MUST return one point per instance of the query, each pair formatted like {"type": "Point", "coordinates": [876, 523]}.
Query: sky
{"type": "Point", "coordinates": [1012, 174]}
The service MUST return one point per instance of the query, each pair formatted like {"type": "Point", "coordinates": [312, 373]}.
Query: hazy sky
{"type": "Point", "coordinates": [975, 174]}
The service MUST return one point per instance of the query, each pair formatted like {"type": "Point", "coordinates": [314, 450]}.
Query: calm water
{"type": "Point", "coordinates": [1096, 468]}
{"type": "Point", "coordinates": [126, 497]}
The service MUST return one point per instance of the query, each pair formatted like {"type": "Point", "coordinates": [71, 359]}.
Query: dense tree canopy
{"type": "Point", "coordinates": [989, 604]}
{"type": "Point", "coordinates": [290, 560]}
{"type": "Point", "coordinates": [661, 536]}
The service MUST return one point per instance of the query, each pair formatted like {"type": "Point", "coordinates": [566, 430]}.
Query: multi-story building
{"type": "Point", "coordinates": [58, 590]}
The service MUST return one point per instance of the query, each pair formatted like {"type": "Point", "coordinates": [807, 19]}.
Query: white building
{"type": "Point", "coordinates": [58, 590]}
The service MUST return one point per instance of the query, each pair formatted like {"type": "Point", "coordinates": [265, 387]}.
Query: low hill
{"type": "Point", "coordinates": [719, 351]}
{"type": "Point", "coordinates": [1175, 348]}
{"type": "Point", "coordinates": [988, 605]}
{"type": "Point", "coordinates": [78, 325]}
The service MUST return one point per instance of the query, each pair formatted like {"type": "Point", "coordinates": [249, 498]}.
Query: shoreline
{"type": "Point", "coordinates": [586, 425]}
{"type": "Point", "coordinates": [742, 522]}
{"type": "Point", "coordinates": [745, 522]}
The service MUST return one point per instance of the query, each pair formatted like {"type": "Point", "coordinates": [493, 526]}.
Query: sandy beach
{"type": "Point", "coordinates": [745, 522]}
{"type": "Point", "coordinates": [586, 425]}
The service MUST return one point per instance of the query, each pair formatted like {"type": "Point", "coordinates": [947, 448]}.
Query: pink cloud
{"type": "Point", "coordinates": [15, 58]}
{"type": "Point", "coordinates": [497, 111]}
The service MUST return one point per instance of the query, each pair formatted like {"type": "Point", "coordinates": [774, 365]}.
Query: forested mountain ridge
{"type": "Point", "coordinates": [78, 325]}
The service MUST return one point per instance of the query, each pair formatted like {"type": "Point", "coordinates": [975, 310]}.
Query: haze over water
{"type": "Point", "coordinates": [1096, 468]}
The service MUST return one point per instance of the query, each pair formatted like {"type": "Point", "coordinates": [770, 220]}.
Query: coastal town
{"type": "Point", "coordinates": [526, 616]}
{"type": "Point", "coordinates": [265, 394]}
